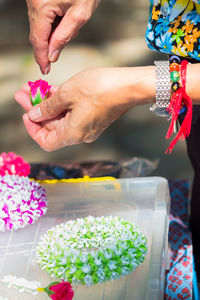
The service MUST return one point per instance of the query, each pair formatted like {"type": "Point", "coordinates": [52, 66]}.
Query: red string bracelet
{"type": "Point", "coordinates": [178, 99]}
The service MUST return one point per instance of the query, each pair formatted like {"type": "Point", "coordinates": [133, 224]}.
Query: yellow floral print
{"type": "Point", "coordinates": [174, 27]}
{"type": "Point", "coordinates": [155, 13]}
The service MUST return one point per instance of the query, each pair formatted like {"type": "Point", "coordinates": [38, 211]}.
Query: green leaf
{"type": "Point", "coordinates": [46, 289]}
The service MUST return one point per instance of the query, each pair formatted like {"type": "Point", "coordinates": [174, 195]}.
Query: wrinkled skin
{"type": "Point", "coordinates": [48, 37]}
{"type": "Point", "coordinates": [85, 105]}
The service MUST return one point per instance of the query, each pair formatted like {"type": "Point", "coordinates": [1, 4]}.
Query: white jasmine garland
{"type": "Point", "coordinates": [91, 250]}
{"type": "Point", "coordinates": [21, 284]}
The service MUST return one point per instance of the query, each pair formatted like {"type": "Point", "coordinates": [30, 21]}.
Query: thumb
{"type": "Point", "coordinates": [47, 109]}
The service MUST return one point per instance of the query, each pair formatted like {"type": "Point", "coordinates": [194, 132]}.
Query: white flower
{"type": "Point", "coordinates": [2, 225]}
{"type": "Point", "coordinates": [17, 193]}
{"type": "Point", "coordinates": [97, 261]}
{"type": "Point", "coordinates": [114, 275]}
{"type": "Point", "coordinates": [125, 271]}
{"type": "Point", "coordinates": [62, 260]}
{"type": "Point", "coordinates": [88, 280]}
{"type": "Point", "coordinates": [75, 281]}
{"type": "Point", "coordinates": [101, 274]}
{"type": "Point", "coordinates": [107, 254]}
{"type": "Point", "coordinates": [73, 269]}
{"type": "Point", "coordinates": [86, 268]}
{"type": "Point", "coordinates": [21, 284]}
{"type": "Point", "coordinates": [84, 258]}
{"type": "Point", "coordinates": [125, 260]}
{"type": "Point", "coordinates": [123, 244]}
{"type": "Point", "coordinates": [112, 265]}
{"type": "Point", "coordinates": [118, 251]}
{"type": "Point", "coordinates": [74, 258]}
{"type": "Point", "coordinates": [106, 237]}
{"type": "Point", "coordinates": [60, 271]}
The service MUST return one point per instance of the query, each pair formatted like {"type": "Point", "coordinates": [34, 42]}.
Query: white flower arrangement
{"type": "Point", "coordinates": [22, 202]}
{"type": "Point", "coordinates": [22, 284]}
{"type": "Point", "coordinates": [91, 250]}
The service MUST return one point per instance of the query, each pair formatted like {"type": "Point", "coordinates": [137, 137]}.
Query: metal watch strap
{"type": "Point", "coordinates": [163, 92]}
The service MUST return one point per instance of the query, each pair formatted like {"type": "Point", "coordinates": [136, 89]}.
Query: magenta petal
{"type": "Point", "coordinates": [62, 290]}
{"type": "Point", "coordinates": [34, 89]}
{"type": "Point", "coordinates": [13, 164]}
{"type": "Point", "coordinates": [39, 86]}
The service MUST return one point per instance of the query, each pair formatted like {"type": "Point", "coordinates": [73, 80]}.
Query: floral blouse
{"type": "Point", "coordinates": [174, 27]}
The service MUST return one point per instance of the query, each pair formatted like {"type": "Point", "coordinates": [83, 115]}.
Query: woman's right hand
{"type": "Point", "coordinates": [48, 41]}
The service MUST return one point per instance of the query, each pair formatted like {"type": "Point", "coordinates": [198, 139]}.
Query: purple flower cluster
{"type": "Point", "coordinates": [22, 202]}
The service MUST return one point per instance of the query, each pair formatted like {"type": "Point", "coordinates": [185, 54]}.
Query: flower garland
{"type": "Point", "coordinates": [13, 164]}
{"type": "Point", "coordinates": [22, 202]}
{"type": "Point", "coordinates": [21, 284]}
{"type": "Point", "coordinates": [55, 290]}
{"type": "Point", "coordinates": [91, 250]}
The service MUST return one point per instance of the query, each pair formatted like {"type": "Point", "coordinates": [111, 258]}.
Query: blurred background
{"type": "Point", "coordinates": [113, 37]}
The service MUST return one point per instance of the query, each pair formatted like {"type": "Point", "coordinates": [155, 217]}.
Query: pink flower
{"type": "Point", "coordinates": [13, 164]}
{"type": "Point", "coordinates": [60, 291]}
{"type": "Point", "coordinates": [39, 91]}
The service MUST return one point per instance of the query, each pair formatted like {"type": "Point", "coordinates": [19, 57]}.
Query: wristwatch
{"type": "Point", "coordinates": [163, 93]}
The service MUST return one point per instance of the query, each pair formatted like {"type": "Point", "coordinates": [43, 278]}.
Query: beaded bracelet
{"type": "Point", "coordinates": [180, 101]}
{"type": "Point", "coordinates": [174, 68]}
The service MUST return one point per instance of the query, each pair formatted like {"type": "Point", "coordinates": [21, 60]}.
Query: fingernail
{"type": "Point", "coordinates": [47, 69]}
{"type": "Point", "coordinates": [35, 114]}
{"type": "Point", "coordinates": [41, 70]}
{"type": "Point", "coordinates": [53, 57]}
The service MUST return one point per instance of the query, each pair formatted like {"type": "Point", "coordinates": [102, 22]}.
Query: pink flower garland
{"type": "Point", "coordinates": [13, 164]}
{"type": "Point", "coordinates": [22, 202]}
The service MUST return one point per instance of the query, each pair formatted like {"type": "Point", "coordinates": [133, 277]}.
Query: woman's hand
{"type": "Point", "coordinates": [85, 105]}
{"type": "Point", "coordinates": [49, 37]}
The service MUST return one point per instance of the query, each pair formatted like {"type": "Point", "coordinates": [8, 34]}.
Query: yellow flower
{"type": "Point", "coordinates": [192, 38]}
{"type": "Point", "coordinates": [188, 46]}
{"type": "Point", "coordinates": [195, 34]}
{"type": "Point", "coordinates": [180, 49]}
{"type": "Point", "coordinates": [174, 26]}
{"type": "Point", "coordinates": [155, 13]}
{"type": "Point", "coordinates": [188, 27]}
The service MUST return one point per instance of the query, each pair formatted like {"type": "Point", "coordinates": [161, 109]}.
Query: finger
{"type": "Point", "coordinates": [54, 89]}
{"type": "Point", "coordinates": [66, 30]}
{"type": "Point", "coordinates": [23, 98]}
{"type": "Point", "coordinates": [48, 109]}
{"type": "Point", "coordinates": [46, 139]}
{"type": "Point", "coordinates": [39, 36]}
{"type": "Point", "coordinates": [24, 101]}
{"type": "Point", "coordinates": [26, 88]}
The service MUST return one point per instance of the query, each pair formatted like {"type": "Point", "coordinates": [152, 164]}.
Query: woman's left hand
{"type": "Point", "coordinates": [85, 105]}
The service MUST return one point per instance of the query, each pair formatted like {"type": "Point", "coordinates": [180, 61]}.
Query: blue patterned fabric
{"type": "Point", "coordinates": [174, 27]}
{"type": "Point", "coordinates": [179, 277]}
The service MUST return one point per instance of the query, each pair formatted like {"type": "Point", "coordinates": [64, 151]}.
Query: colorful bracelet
{"type": "Point", "coordinates": [175, 76]}
{"type": "Point", "coordinates": [180, 102]}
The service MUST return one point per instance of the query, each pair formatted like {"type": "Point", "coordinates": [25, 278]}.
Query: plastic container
{"type": "Point", "coordinates": [144, 201]}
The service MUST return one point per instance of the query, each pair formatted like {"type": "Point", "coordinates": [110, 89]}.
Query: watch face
{"type": "Point", "coordinates": [160, 111]}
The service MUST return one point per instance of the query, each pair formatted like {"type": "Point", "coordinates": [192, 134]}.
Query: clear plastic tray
{"type": "Point", "coordinates": [144, 201]}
